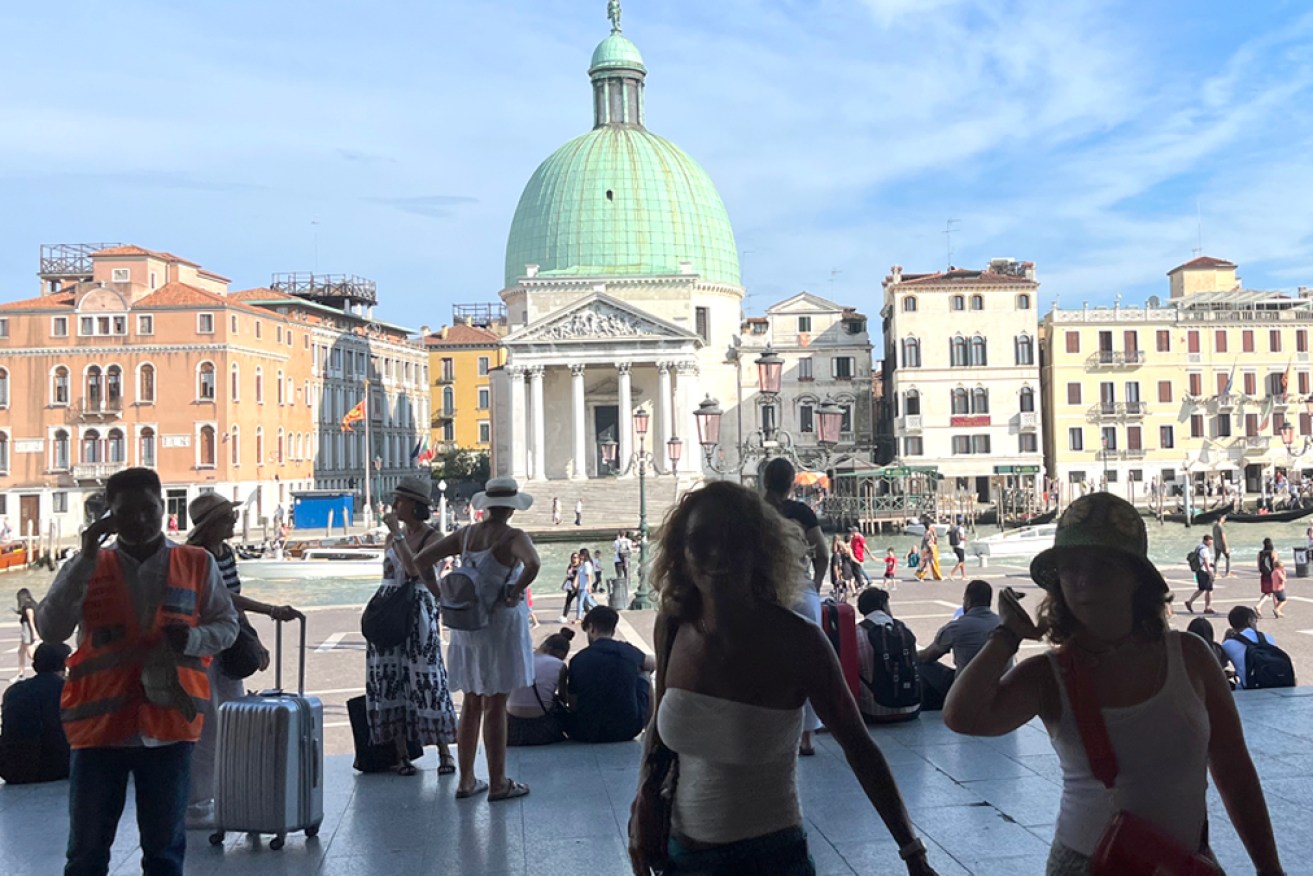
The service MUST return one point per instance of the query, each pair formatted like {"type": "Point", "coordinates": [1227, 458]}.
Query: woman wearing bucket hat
{"type": "Point", "coordinates": [488, 664]}
{"type": "Point", "coordinates": [1138, 713]}
{"type": "Point", "coordinates": [407, 697]}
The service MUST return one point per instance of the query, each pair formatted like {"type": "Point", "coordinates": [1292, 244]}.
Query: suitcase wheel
{"type": "Point", "coordinates": [216, 838]}
{"type": "Point", "coordinates": [312, 831]}
{"type": "Point", "coordinates": [277, 842]}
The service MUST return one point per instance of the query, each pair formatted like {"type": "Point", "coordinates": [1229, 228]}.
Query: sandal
{"type": "Point", "coordinates": [446, 767]}
{"type": "Point", "coordinates": [513, 789]}
{"type": "Point", "coordinates": [806, 752]}
{"type": "Point", "coordinates": [478, 788]}
{"type": "Point", "coordinates": [406, 769]}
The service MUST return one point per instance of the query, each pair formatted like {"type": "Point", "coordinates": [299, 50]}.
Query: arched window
{"type": "Point", "coordinates": [207, 446]}
{"type": "Point", "coordinates": [979, 400]}
{"type": "Point", "coordinates": [235, 382]}
{"type": "Point", "coordinates": [4, 451]}
{"type": "Point", "coordinates": [91, 446]}
{"type": "Point", "coordinates": [1027, 399]}
{"type": "Point", "coordinates": [259, 385]}
{"type": "Point", "coordinates": [114, 387]}
{"type": "Point", "coordinates": [977, 302]}
{"type": "Point", "coordinates": [911, 353]}
{"type": "Point", "coordinates": [912, 403]}
{"type": "Point", "coordinates": [448, 400]}
{"type": "Point", "coordinates": [1025, 350]}
{"type": "Point", "coordinates": [909, 304]}
{"type": "Point", "coordinates": [280, 445]}
{"type": "Point", "coordinates": [961, 401]}
{"type": "Point", "coordinates": [146, 385]}
{"type": "Point", "coordinates": [958, 302]}
{"type": "Point", "coordinates": [59, 386]}
{"type": "Point", "coordinates": [234, 450]}
{"type": "Point", "coordinates": [309, 399]}
{"type": "Point", "coordinates": [281, 399]}
{"type": "Point", "coordinates": [114, 448]}
{"type": "Point", "coordinates": [1023, 301]}
{"type": "Point", "coordinates": [259, 445]}
{"type": "Point", "coordinates": [957, 350]}
{"type": "Point", "coordinates": [4, 388]}
{"type": "Point", "coordinates": [979, 358]}
{"type": "Point", "coordinates": [59, 448]}
{"type": "Point", "coordinates": [205, 382]}
{"type": "Point", "coordinates": [146, 447]}
{"type": "Point", "coordinates": [95, 388]}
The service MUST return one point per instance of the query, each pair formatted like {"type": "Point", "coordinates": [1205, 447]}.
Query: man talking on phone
{"type": "Point", "coordinates": [146, 613]}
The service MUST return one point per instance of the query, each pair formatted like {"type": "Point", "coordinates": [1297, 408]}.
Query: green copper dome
{"type": "Point", "coordinates": [616, 52]}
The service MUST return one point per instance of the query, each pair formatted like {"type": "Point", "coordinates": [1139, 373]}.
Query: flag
{"type": "Point", "coordinates": [426, 454]}
{"type": "Point", "coordinates": [1268, 404]}
{"type": "Point", "coordinates": [1285, 379]}
{"type": "Point", "coordinates": [414, 453]}
{"type": "Point", "coordinates": [355, 415]}
{"type": "Point", "coordinates": [1230, 381]}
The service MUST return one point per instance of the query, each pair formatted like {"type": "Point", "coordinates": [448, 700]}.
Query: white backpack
{"type": "Point", "coordinates": [467, 598]}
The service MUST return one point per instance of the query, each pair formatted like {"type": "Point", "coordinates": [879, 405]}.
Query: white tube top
{"type": "Point", "coordinates": [736, 766]}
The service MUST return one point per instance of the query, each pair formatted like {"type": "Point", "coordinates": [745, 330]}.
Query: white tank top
{"type": "Point", "coordinates": [1162, 760]}
{"type": "Point", "coordinates": [736, 766]}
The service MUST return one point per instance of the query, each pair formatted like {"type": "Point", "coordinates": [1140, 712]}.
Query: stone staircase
{"type": "Point", "coordinates": [610, 504]}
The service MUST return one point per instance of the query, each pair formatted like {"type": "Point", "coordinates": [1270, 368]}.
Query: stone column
{"type": "Point", "coordinates": [626, 405]}
{"type": "Point", "coordinates": [538, 433]}
{"type": "Point", "coordinates": [687, 397]}
{"type": "Point", "coordinates": [519, 448]}
{"type": "Point", "coordinates": [664, 421]}
{"type": "Point", "coordinates": [580, 457]}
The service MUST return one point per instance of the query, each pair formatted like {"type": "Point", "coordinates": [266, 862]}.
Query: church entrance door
{"type": "Point", "coordinates": [606, 426]}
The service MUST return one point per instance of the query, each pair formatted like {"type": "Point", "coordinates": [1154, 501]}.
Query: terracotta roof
{"type": "Point", "coordinates": [133, 250]}
{"type": "Point", "coordinates": [261, 293]}
{"type": "Point", "coordinates": [182, 295]}
{"type": "Point", "coordinates": [966, 277]}
{"type": "Point", "coordinates": [461, 335]}
{"type": "Point", "coordinates": [42, 302]}
{"type": "Point", "coordinates": [1202, 262]}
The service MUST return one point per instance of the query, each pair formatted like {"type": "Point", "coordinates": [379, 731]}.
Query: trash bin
{"type": "Point", "coordinates": [1301, 562]}
{"type": "Point", "coordinates": [617, 593]}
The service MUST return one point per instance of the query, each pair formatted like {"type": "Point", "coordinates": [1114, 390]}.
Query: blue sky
{"type": "Point", "coordinates": [1085, 135]}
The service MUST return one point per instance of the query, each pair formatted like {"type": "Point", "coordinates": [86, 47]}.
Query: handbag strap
{"type": "Point", "coordinates": [1089, 719]}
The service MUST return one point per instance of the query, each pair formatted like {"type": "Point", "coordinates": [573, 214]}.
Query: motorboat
{"type": "Point", "coordinates": [345, 562]}
{"type": "Point", "coordinates": [13, 555]}
{"type": "Point", "coordinates": [1024, 542]}
{"type": "Point", "coordinates": [917, 528]}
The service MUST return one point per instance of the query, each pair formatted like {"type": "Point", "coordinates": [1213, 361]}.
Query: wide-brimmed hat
{"type": "Point", "coordinates": [417, 489]}
{"type": "Point", "coordinates": [501, 493]}
{"type": "Point", "coordinates": [208, 507]}
{"type": "Point", "coordinates": [1103, 522]}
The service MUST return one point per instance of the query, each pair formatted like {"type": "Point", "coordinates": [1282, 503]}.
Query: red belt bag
{"type": "Point", "coordinates": [1130, 845]}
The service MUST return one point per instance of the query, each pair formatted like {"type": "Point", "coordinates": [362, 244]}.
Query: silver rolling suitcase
{"type": "Point", "coordinates": [269, 767]}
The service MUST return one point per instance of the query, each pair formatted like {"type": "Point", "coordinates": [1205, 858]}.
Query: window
{"type": "Point", "coordinates": [59, 386]}
{"type": "Point", "coordinates": [205, 382]}
{"type": "Point", "coordinates": [4, 388]}
{"type": "Point", "coordinates": [1274, 340]}
{"type": "Point", "coordinates": [1247, 341]}
{"type": "Point", "coordinates": [59, 450]}
{"type": "Point", "coordinates": [804, 323]}
{"type": "Point", "coordinates": [912, 446]}
{"type": "Point", "coordinates": [806, 417]}
{"type": "Point", "coordinates": [1301, 340]}
{"type": "Point", "coordinates": [1196, 383]}
{"type": "Point", "coordinates": [259, 328]}
{"type": "Point", "coordinates": [846, 423]}
{"type": "Point", "coordinates": [912, 403]}
{"type": "Point", "coordinates": [59, 502]}
{"type": "Point", "coordinates": [979, 355]}
{"type": "Point", "coordinates": [1075, 438]}
{"type": "Point", "coordinates": [278, 387]}
{"type": "Point", "coordinates": [114, 387]}
{"type": "Point", "coordinates": [1133, 439]}
{"type": "Point", "coordinates": [259, 445]}
{"type": "Point", "coordinates": [1023, 302]}
{"type": "Point", "coordinates": [909, 304]}
{"type": "Point", "coordinates": [146, 447]}
{"type": "Point", "coordinates": [958, 302]}
{"type": "Point", "coordinates": [86, 326]}
{"type": "Point", "coordinates": [91, 446]}
{"type": "Point", "coordinates": [1164, 390]}
{"type": "Point", "coordinates": [1027, 442]}
{"type": "Point", "coordinates": [448, 401]}
{"type": "Point", "coordinates": [1164, 341]}
{"type": "Point", "coordinates": [59, 327]}
{"type": "Point", "coordinates": [1166, 437]}
{"type": "Point", "coordinates": [1025, 350]}
{"type": "Point", "coordinates": [1250, 382]}
{"type": "Point", "coordinates": [120, 275]}
{"type": "Point", "coordinates": [1073, 393]}
{"type": "Point", "coordinates": [145, 324]}
{"type": "Point", "coordinates": [207, 447]}
{"type": "Point", "coordinates": [957, 352]}
{"type": "Point", "coordinates": [485, 432]}
{"type": "Point", "coordinates": [805, 368]}
{"type": "Point", "coordinates": [979, 400]}
{"type": "Point", "coordinates": [485, 398]}
{"type": "Point", "coordinates": [1219, 341]}
{"type": "Point", "coordinates": [961, 444]}
{"type": "Point", "coordinates": [278, 331]}
{"type": "Point", "coordinates": [152, 280]}
{"type": "Point", "coordinates": [1027, 399]}
{"type": "Point", "coordinates": [1073, 342]}
{"type": "Point", "coordinates": [1305, 424]}
{"type": "Point", "coordinates": [259, 385]}
{"type": "Point", "coordinates": [980, 444]}
{"type": "Point", "coordinates": [1192, 341]}
{"type": "Point", "coordinates": [448, 431]}
{"type": "Point", "coordinates": [94, 388]}
{"type": "Point", "coordinates": [1196, 425]}
{"type": "Point", "coordinates": [1274, 384]}
{"type": "Point", "coordinates": [977, 302]}
{"type": "Point", "coordinates": [961, 401]}
{"type": "Point", "coordinates": [205, 323]}
{"type": "Point", "coordinates": [1108, 437]}
{"type": "Point", "coordinates": [1302, 382]}
{"type": "Point", "coordinates": [232, 324]}
{"type": "Point", "coordinates": [483, 366]}
{"type": "Point", "coordinates": [911, 353]}
{"type": "Point", "coordinates": [701, 320]}
{"type": "Point", "coordinates": [1222, 425]}
{"type": "Point", "coordinates": [281, 448]}
{"type": "Point", "coordinates": [234, 447]}
{"type": "Point", "coordinates": [114, 446]}
{"type": "Point", "coordinates": [4, 451]}
{"type": "Point", "coordinates": [234, 383]}
{"type": "Point", "coordinates": [842, 367]}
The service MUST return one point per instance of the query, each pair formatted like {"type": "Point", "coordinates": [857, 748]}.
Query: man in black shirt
{"type": "Point", "coordinates": [32, 743]}
{"type": "Point", "coordinates": [608, 684]}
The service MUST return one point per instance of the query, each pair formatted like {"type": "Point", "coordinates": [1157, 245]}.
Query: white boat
{"type": "Point", "coordinates": [1027, 541]}
{"type": "Point", "coordinates": [318, 563]}
{"type": "Point", "coordinates": [917, 528]}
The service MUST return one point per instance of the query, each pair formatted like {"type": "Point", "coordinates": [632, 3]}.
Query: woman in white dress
{"type": "Point", "coordinates": [488, 664]}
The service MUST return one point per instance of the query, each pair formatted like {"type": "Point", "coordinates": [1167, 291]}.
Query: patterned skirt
{"type": "Point", "coordinates": [406, 691]}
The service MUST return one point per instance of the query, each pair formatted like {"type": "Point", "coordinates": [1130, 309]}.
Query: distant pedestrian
{"type": "Point", "coordinates": [556, 510]}
{"type": "Point", "coordinates": [1221, 548]}
{"type": "Point", "coordinates": [624, 548]}
{"type": "Point", "coordinates": [1267, 560]}
{"type": "Point", "coordinates": [571, 586]}
{"type": "Point", "coordinates": [579, 512]}
{"type": "Point", "coordinates": [957, 540]}
{"type": "Point", "coordinates": [27, 636]}
{"type": "Point", "coordinates": [173, 523]}
{"type": "Point", "coordinates": [857, 549]}
{"type": "Point", "coordinates": [1274, 590]}
{"type": "Point", "coordinates": [930, 554]}
{"type": "Point", "coordinates": [841, 568]}
{"type": "Point", "coordinates": [7, 531]}
{"type": "Point", "coordinates": [585, 581]}
{"type": "Point", "coordinates": [1204, 573]}
{"type": "Point", "coordinates": [890, 569]}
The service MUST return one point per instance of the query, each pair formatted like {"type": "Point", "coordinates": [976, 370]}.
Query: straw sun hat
{"type": "Point", "coordinates": [417, 489]}
{"type": "Point", "coordinates": [208, 507]}
{"type": "Point", "coordinates": [501, 493]}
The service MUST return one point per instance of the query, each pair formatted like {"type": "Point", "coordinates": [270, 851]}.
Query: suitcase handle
{"type": "Point", "coordinates": [278, 658]}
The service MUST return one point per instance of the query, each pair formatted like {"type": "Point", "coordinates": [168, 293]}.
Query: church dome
{"type": "Point", "coordinates": [620, 201]}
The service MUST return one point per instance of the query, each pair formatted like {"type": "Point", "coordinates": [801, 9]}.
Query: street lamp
{"type": "Point", "coordinates": [641, 422]}
{"type": "Point", "coordinates": [378, 481]}
{"type": "Point", "coordinates": [1104, 441]}
{"type": "Point", "coordinates": [770, 372]}
{"type": "Point", "coordinates": [828, 421]}
{"type": "Point", "coordinates": [442, 505]}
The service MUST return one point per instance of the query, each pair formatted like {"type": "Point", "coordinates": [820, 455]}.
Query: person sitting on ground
{"type": "Point", "coordinates": [532, 716]}
{"type": "Point", "coordinates": [1203, 628]}
{"type": "Point", "coordinates": [608, 684]}
{"type": "Point", "coordinates": [964, 636]}
{"type": "Point", "coordinates": [33, 747]}
{"type": "Point", "coordinates": [886, 660]}
{"type": "Point", "coordinates": [1243, 622]}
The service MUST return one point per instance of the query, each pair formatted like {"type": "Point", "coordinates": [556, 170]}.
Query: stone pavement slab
{"type": "Point", "coordinates": [983, 806]}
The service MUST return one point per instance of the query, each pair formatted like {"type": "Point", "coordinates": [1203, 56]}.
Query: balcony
{"type": "Point", "coordinates": [1133, 453]}
{"type": "Point", "coordinates": [1029, 421]}
{"type": "Point", "coordinates": [1280, 400]}
{"type": "Point", "coordinates": [442, 416]}
{"type": "Point", "coordinates": [1104, 411]}
{"type": "Point", "coordinates": [1256, 443]}
{"type": "Point", "coordinates": [910, 424]}
{"type": "Point", "coordinates": [1115, 359]}
{"type": "Point", "coordinates": [96, 410]}
{"type": "Point", "coordinates": [1131, 410]}
{"type": "Point", "coordinates": [445, 379]}
{"type": "Point", "coordinates": [96, 471]}
{"type": "Point", "coordinates": [1227, 402]}
{"type": "Point", "coordinates": [1108, 454]}
{"type": "Point", "coordinates": [1135, 408]}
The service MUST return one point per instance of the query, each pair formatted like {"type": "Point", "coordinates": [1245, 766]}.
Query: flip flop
{"type": "Point", "coordinates": [479, 787]}
{"type": "Point", "coordinates": [446, 768]}
{"type": "Point", "coordinates": [407, 769]}
{"type": "Point", "coordinates": [513, 789]}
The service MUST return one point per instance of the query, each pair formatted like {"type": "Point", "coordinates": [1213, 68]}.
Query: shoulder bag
{"type": "Point", "coordinates": [242, 658]}
{"type": "Point", "coordinates": [1130, 845]}
{"type": "Point", "coordinates": [649, 831]}
{"type": "Point", "coordinates": [388, 616]}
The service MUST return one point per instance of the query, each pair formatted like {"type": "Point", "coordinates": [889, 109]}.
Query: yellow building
{"type": "Point", "coordinates": [461, 358]}
{"type": "Point", "coordinates": [1203, 383]}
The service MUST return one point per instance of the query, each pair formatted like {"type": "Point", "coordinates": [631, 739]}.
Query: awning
{"type": "Point", "coordinates": [811, 479]}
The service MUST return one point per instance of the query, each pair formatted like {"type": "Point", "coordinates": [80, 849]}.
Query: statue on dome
{"type": "Point", "coordinates": [613, 13]}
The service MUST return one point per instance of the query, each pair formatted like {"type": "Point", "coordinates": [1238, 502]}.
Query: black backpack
{"type": "Point", "coordinates": [897, 681]}
{"type": "Point", "coordinates": [1266, 665]}
{"type": "Point", "coordinates": [954, 537]}
{"type": "Point", "coordinates": [1193, 559]}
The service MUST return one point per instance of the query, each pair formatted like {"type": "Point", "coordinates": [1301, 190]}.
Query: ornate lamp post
{"type": "Point", "coordinates": [674, 447]}
{"type": "Point", "coordinates": [442, 506]}
{"type": "Point", "coordinates": [829, 424]}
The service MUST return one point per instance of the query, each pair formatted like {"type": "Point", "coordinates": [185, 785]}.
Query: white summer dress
{"type": "Point", "coordinates": [498, 658]}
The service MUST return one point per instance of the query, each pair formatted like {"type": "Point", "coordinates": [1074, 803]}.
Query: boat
{"type": "Point", "coordinates": [1024, 542]}
{"type": "Point", "coordinates": [1271, 517]}
{"type": "Point", "coordinates": [318, 563]}
{"type": "Point", "coordinates": [1036, 520]}
{"type": "Point", "coordinates": [1202, 516]}
{"type": "Point", "coordinates": [13, 555]}
{"type": "Point", "coordinates": [917, 528]}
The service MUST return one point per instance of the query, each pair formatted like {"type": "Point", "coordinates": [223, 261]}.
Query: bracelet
{"type": "Point", "coordinates": [1002, 632]}
{"type": "Point", "coordinates": [912, 849]}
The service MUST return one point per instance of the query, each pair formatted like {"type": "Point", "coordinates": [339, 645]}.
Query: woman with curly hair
{"type": "Point", "coordinates": [734, 666]}
{"type": "Point", "coordinates": [1138, 714]}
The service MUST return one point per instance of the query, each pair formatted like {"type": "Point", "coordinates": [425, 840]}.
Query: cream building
{"type": "Point", "coordinates": [1203, 383]}
{"type": "Point", "coordinates": [961, 375]}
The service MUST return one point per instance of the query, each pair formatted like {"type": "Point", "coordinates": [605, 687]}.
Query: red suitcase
{"type": "Point", "coordinates": [839, 622]}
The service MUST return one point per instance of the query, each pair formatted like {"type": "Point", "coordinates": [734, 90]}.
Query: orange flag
{"type": "Point", "coordinates": [355, 415]}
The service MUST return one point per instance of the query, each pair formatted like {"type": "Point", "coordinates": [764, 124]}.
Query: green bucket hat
{"type": "Point", "coordinates": [1101, 521]}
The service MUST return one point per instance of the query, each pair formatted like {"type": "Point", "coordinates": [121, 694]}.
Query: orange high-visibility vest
{"type": "Point", "coordinates": [104, 703]}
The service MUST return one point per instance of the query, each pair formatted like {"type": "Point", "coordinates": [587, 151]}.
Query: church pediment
{"type": "Point", "coordinates": [599, 318]}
